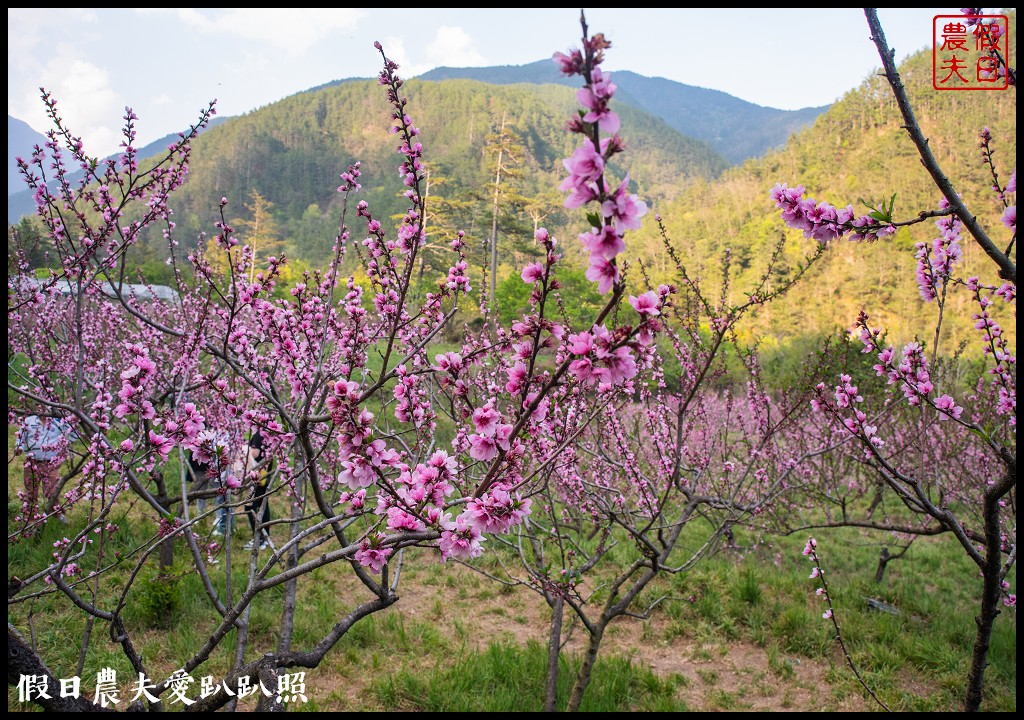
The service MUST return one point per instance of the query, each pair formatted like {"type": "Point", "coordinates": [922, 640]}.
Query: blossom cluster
{"type": "Point", "coordinates": [935, 262]}
{"type": "Point", "coordinates": [995, 344]}
{"type": "Point", "coordinates": [825, 222]}
{"type": "Point", "coordinates": [620, 210]}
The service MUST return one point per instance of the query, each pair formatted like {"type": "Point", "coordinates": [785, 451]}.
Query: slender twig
{"type": "Point", "coordinates": [830, 614]}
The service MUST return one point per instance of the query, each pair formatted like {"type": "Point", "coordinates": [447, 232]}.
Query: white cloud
{"type": "Point", "coordinates": [86, 103]}
{"type": "Point", "coordinates": [292, 30]}
{"type": "Point", "coordinates": [34, 37]}
{"type": "Point", "coordinates": [29, 28]}
{"type": "Point", "coordinates": [394, 48]}
{"type": "Point", "coordinates": [454, 47]}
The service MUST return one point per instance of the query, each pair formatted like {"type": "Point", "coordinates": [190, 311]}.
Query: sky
{"type": "Point", "coordinates": [168, 63]}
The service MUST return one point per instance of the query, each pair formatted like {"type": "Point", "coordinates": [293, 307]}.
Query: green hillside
{"type": "Point", "coordinates": [292, 152]}
{"type": "Point", "coordinates": [855, 150]}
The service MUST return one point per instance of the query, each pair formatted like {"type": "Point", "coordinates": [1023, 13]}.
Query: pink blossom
{"type": "Point", "coordinates": [601, 88]}
{"type": "Point", "coordinates": [585, 165]}
{"type": "Point", "coordinates": [483, 447]}
{"type": "Point", "coordinates": [604, 272]}
{"type": "Point", "coordinates": [646, 304]}
{"type": "Point", "coordinates": [441, 460]}
{"type": "Point", "coordinates": [356, 473]}
{"type": "Point", "coordinates": [486, 420]}
{"type": "Point", "coordinates": [1010, 217]}
{"type": "Point", "coordinates": [162, 445]}
{"type": "Point", "coordinates": [581, 343]}
{"type": "Point", "coordinates": [785, 196]}
{"type": "Point", "coordinates": [605, 118]}
{"type": "Point", "coordinates": [595, 98]}
{"type": "Point", "coordinates": [625, 209]}
{"type": "Point", "coordinates": [399, 519]}
{"type": "Point", "coordinates": [533, 272]}
{"type": "Point", "coordinates": [517, 377]}
{"type": "Point", "coordinates": [450, 361]}
{"type": "Point", "coordinates": [541, 412]}
{"type": "Point", "coordinates": [356, 500]}
{"type": "Point", "coordinates": [571, 64]}
{"type": "Point", "coordinates": [372, 557]}
{"type": "Point", "coordinates": [948, 406]}
{"type": "Point", "coordinates": [460, 540]}
{"type": "Point", "coordinates": [605, 242]}
{"type": "Point", "coordinates": [582, 369]}
{"type": "Point", "coordinates": [503, 436]}
{"type": "Point", "coordinates": [497, 510]}
{"type": "Point", "coordinates": [616, 367]}
{"type": "Point", "coordinates": [580, 194]}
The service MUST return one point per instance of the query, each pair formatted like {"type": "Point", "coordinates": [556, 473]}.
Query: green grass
{"type": "Point", "coordinates": [510, 678]}
{"type": "Point", "coordinates": [431, 656]}
{"type": "Point", "coordinates": [917, 660]}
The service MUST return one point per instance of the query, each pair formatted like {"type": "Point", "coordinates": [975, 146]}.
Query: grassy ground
{"type": "Point", "coordinates": [741, 631]}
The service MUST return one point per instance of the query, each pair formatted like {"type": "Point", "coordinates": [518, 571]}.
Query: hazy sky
{"type": "Point", "coordinates": [168, 63]}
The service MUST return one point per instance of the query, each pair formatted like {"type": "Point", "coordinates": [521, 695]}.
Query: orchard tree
{"type": "Point", "coordinates": [641, 455]}
{"type": "Point", "coordinates": [555, 436]}
{"type": "Point", "coordinates": [949, 461]}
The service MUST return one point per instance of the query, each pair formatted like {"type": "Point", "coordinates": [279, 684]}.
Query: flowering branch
{"type": "Point", "coordinates": [810, 551]}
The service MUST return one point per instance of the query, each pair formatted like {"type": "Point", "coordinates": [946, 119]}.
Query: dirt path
{"type": "Point", "coordinates": [727, 676]}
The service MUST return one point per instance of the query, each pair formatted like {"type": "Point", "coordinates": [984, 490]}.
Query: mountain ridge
{"type": "Point", "coordinates": [736, 128]}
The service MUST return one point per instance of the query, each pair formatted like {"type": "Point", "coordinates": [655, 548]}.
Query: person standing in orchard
{"type": "Point", "coordinates": [257, 461]}
{"type": "Point", "coordinates": [44, 440]}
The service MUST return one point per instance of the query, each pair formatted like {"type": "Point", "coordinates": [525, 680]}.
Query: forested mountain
{"type": "Point", "coordinates": [737, 129]}
{"type": "Point", "coordinates": [292, 152]}
{"type": "Point", "coordinates": [857, 150]}
{"type": "Point", "coordinates": [279, 168]}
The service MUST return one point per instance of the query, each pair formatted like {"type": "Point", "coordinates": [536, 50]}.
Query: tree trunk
{"type": "Point", "coordinates": [554, 649]}
{"type": "Point", "coordinates": [492, 302]}
{"type": "Point", "coordinates": [166, 555]}
{"type": "Point", "coordinates": [269, 678]}
{"type": "Point", "coordinates": [23, 660]}
{"type": "Point", "coordinates": [989, 604]}
{"type": "Point", "coordinates": [284, 643]}
{"type": "Point", "coordinates": [883, 560]}
{"type": "Point", "coordinates": [587, 668]}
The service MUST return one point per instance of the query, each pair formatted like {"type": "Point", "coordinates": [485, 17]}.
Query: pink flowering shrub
{"type": "Point", "coordinates": [337, 377]}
